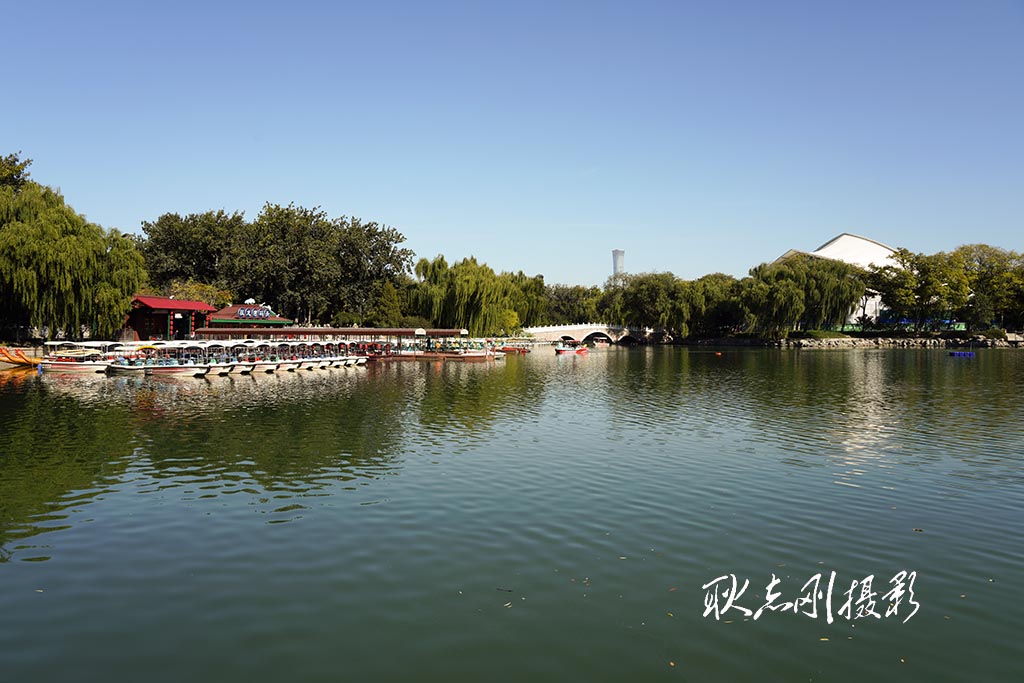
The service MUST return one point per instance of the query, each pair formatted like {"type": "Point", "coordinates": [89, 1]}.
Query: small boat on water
{"type": "Point", "coordinates": [566, 348]}
{"type": "Point", "coordinates": [17, 357]}
{"type": "Point", "coordinates": [76, 357]}
{"type": "Point", "coordinates": [127, 366]}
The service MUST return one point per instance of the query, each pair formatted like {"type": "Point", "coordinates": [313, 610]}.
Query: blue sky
{"type": "Point", "coordinates": [697, 136]}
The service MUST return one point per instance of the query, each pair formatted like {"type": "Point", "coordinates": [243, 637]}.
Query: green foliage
{"type": "Point", "coordinates": [717, 310]}
{"type": "Point", "coordinates": [386, 310]}
{"type": "Point", "coordinates": [191, 248]}
{"type": "Point", "coordinates": [366, 256]}
{"type": "Point", "coordinates": [14, 171]}
{"type": "Point", "coordinates": [922, 288]}
{"type": "Point", "coordinates": [509, 323]}
{"type": "Point", "coordinates": [472, 296]}
{"type": "Point", "coordinates": [59, 272]}
{"type": "Point", "coordinates": [310, 267]}
{"type": "Point", "coordinates": [569, 304]}
{"type": "Point", "coordinates": [659, 300]}
{"type": "Point", "coordinates": [287, 258]}
{"type": "Point", "coordinates": [800, 292]}
{"type": "Point", "coordinates": [818, 334]}
{"type": "Point", "coordinates": [994, 333]}
{"type": "Point", "coordinates": [190, 290]}
{"type": "Point", "coordinates": [996, 281]}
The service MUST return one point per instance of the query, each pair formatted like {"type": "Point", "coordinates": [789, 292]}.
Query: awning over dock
{"type": "Point", "coordinates": [327, 333]}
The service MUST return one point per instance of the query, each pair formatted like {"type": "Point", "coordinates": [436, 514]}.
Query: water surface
{"type": "Point", "coordinates": [542, 518]}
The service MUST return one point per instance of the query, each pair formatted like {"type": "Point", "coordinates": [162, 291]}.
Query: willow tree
{"type": "Point", "coordinates": [772, 306]}
{"type": "Point", "coordinates": [717, 310]}
{"type": "Point", "coordinates": [802, 291]}
{"type": "Point", "coordinates": [470, 295]}
{"type": "Point", "coordinates": [60, 273]}
{"type": "Point", "coordinates": [527, 296]}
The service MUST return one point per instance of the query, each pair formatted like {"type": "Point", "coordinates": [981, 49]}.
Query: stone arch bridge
{"type": "Point", "coordinates": [589, 331]}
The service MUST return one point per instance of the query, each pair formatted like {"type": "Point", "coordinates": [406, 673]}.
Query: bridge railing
{"type": "Point", "coordinates": [585, 326]}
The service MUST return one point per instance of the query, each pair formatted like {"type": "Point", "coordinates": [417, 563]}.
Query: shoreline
{"type": "Point", "coordinates": [869, 343]}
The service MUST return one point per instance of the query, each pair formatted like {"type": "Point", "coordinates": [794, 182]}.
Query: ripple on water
{"type": "Point", "coordinates": [539, 519]}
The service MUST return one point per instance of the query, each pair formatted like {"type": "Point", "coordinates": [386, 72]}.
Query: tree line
{"type": "Point", "coordinates": [63, 275]}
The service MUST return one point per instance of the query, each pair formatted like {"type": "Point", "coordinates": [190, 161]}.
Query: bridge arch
{"type": "Point", "coordinates": [598, 336]}
{"type": "Point", "coordinates": [582, 331]}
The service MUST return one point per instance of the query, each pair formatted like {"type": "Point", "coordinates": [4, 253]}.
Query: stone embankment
{"type": "Point", "coordinates": [892, 342]}
{"type": "Point", "coordinates": [1013, 341]}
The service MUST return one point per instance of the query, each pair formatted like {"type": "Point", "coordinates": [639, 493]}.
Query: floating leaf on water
{"type": "Point", "coordinates": [508, 604]}
{"type": "Point", "coordinates": [671, 663]}
{"type": "Point", "coordinates": [919, 530]}
{"type": "Point", "coordinates": [822, 639]}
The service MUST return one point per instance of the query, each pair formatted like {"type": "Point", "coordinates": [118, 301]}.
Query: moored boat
{"type": "Point", "coordinates": [127, 366]}
{"type": "Point", "coordinates": [75, 357]}
{"type": "Point", "coordinates": [565, 349]}
{"type": "Point", "coordinates": [172, 366]}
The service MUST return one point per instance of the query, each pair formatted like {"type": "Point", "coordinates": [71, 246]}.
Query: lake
{"type": "Point", "coordinates": [540, 518]}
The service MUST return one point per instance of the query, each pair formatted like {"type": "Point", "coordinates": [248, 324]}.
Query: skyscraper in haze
{"type": "Point", "coordinates": [618, 259]}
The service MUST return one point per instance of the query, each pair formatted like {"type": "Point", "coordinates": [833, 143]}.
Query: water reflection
{"type": "Point", "coordinates": [327, 517]}
{"type": "Point", "coordinates": [279, 438]}
{"type": "Point", "coordinates": [275, 438]}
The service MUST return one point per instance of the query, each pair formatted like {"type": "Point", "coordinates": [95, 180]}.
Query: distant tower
{"type": "Point", "coordinates": [618, 256]}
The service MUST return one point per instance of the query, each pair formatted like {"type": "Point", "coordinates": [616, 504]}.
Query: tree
{"type": "Point", "coordinates": [829, 291]}
{"type": "Point", "coordinates": [471, 295]}
{"type": "Point", "coordinates": [386, 310]}
{"type": "Point", "coordinates": [366, 256]}
{"type": "Point", "coordinates": [528, 297]}
{"type": "Point", "coordinates": [659, 300]}
{"type": "Point", "coordinates": [14, 171]}
{"type": "Point", "coordinates": [58, 272]}
{"type": "Point", "coordinates": [773, 305]}
{"type": "Point", "coordinates": [924, 289]}
{"type": "Point", "coordinates": [569, 304]}
{"type": "Point", "coordinates": [286, 258]}
{"type": "Point", "coordinates": [717, 310]}
{"type": "Point", "coordinates": [992, 276]}
{"type": "Point", "coordinates": [190, 290]}
{"type": "Point", "coordinates": [195, 247]}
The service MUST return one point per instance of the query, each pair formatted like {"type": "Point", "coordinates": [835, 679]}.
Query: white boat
{"type": "Point", "coordinates": [289, 364]}
{"type": "Point", "coordinates": [241, 367]}
{"type": "Point", "coordinates": [181, 358]}
{"type": "Point", "coordinates": [221, 363]}
{"type": "Point", "coordinates": [265, 366]}
{"type": "Point", "coordinates": [76, 357]}
{"type": "Point", "coordinates": [175, 367]}
{"type": "Point", "coordinates": [127, 366]}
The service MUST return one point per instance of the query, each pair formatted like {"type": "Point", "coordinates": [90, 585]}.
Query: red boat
{"type": "Point", "coordinates": [565, 348]}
